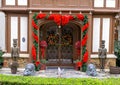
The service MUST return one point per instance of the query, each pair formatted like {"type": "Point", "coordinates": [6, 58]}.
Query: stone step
{"type": "Point", "coordinates": [62, 67]}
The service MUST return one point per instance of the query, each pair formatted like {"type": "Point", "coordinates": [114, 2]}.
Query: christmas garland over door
{"type": "Point", "coordinates": [60, 20]}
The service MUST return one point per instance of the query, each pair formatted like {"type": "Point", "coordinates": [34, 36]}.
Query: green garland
{"type": "Point", "coordinates": [84, 35]}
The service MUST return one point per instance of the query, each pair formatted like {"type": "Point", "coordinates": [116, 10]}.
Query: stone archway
{"type": "Point", "coordinates": [61, 42]}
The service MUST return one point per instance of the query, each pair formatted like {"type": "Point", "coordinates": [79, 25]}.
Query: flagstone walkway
{"type": "Point", "coordinates": [67, 73]}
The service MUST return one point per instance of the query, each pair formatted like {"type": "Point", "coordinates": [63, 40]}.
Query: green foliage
{"type": "Point", "coordinates": [85, 20]}
{"type": "Point", "coordinates": [83, 50]}
{"type": "Point", "coordinates": [117, 48]}
{"type": "Point", "coordinates": [44, 61]}
{"type": "Point", "coordinates": [31, 80]}
{"type": "Point", "coordinates": [34, 17]}
{"type": "Point", "coordinates": [84, 67]}
{"type": "Point", "coordinates": [117, 52]}
{"type": "Point", "coordinates": [1, 58]}
{"type": "Point", "coordinates": [84, 33]}
{"type": "Point", "coordinates": [35, 31]}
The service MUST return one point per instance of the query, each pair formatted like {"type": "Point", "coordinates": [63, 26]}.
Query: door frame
{"type": "Point", "coordinates": [74, 25]}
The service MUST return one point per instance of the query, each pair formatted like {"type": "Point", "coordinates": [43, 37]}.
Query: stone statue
{"type": "Point", "coordinates": [29, 70]}
{"type": "Point", "coordinates": [91, 70]}
{"type": "Point", "coordinates": [15, 51]}
{"type": "Point", "coordinates": [102, 52]}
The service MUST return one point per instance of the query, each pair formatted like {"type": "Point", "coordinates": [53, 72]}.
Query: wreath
{"type": "Point", "coordinates": [61, 20]}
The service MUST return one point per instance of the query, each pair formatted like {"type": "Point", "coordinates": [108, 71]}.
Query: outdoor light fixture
{"type": "Point", "coordinates": [117, 16]}
{"type": "Point", "coordinates": [70, 12]}
{"type": "Point", "coordinates": [117, 21]}
{"type": "Point", "coordinates": [90, 12]}
{"type": "Point", "coordinates": [40, 11]}
{"type": "Point", "coordinates": [30, 11]}
{"type": "Point", "coordinates": [50, 12]}
{"type": "Point", "coordinates": [60, 12]}
{"type": "Point", "coordinates": [80, 12]}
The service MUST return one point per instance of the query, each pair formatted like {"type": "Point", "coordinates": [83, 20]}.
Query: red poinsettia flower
{"type": "Point", "coordinates": [85, 57]}
{"type": "Point", "coordinates": [79, 64]}
{"type": "Point", "coordinates": [34, 25]}
{"type": "Point", "coordinates": [33, 52]}
{"type": "Point", "coordinates": [35, 36]}
{"type": "Point", "coordinates": [41, 16]}
{"type": "Point", "coordinates": [80, 17]}
{"type": "Point", "coordinates": [37, 63]}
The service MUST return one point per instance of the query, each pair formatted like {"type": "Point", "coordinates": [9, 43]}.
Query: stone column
{"type": "Point", "coordinates": [30, 34]}
{"type": "Point", "coordinates": [89, 42]}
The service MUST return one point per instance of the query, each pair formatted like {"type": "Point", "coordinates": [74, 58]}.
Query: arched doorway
{"type": "Point", "coordinates": [61, 42]}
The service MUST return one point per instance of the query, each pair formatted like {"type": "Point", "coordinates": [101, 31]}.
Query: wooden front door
{"type": "Point", "coordinates": [61, 41]}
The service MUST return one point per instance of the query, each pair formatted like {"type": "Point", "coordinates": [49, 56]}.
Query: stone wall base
{"type": "Point", "coordinates": [110, 60]}
{"type": "Point", "coordinates": [22, 60]}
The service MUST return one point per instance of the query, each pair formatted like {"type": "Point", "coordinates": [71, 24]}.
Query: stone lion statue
{"type": "Point", "coordinates": [91, 70]}
{"type": "Point", "coordinates": [29, 70]}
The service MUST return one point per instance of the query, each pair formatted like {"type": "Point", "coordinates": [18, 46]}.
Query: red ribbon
{"type": "Point", "coordinates": [43, 45]}
{"type": "Point", "coordinates": [85, 27]}
{"type": "Point", "coordinates": [42, 52]}
{"type": "Point", "coordinates": [84, 40]}
{"type": "Point", "coordinates": [85, 57]}
{"type": "Point", "coordinates": [34, 25]}
{"type": "Point", "coordinates": [35, 37]}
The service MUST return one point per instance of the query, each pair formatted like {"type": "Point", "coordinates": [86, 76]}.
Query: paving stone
{"type": "Point", "coordinates": [67, 73]}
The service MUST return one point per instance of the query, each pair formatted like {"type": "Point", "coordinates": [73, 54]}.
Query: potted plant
{"type": "Point", "coordinates": [43, 64]}
{"type": "Point", "coordinates": [78, 64]}
{"type": "Point", "coordinates": [117, 52]}
{"type": "Point", "coordinates": [1, 58]}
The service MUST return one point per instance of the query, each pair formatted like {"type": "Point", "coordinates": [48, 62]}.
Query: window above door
{"type": "Point", "coordinates": [105, 3]}
{"type": "Point", "coordinates": [16, 3]}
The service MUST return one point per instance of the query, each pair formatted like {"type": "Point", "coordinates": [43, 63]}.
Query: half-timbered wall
{"type": "Point", "coordinates": [105, 3]}
{"type": "Point", "coordinates": [2, 31]}
{"type": "Point", "coordinates": [18, 29]}
{"type": "Point", "coordinates": [102, 30]}
{"type": "Point", "coordinates": [61, 3]}
{"type": "Point", "coordinates": [18, 18]}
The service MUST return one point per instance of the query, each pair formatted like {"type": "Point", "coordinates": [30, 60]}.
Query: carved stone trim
{"type": "Point", "coordinates": [108, 56]}
{"type": "Point", "coordinates": [21, 55]}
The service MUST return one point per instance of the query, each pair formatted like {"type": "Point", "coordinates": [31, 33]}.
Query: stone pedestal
{"type": "Point", "coordinates": [110, 61]}
{"type": "Point", "coordinates": [23, 60]}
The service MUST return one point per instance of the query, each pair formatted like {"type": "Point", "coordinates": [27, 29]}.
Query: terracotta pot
{"type": "Point", "coordinates": [43, 67]}
{"type": "Point", "coordinates": [78, 65]}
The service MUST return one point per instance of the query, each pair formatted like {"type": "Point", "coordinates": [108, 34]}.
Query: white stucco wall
{"type": "Point", "coordinates": [2, 30]}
